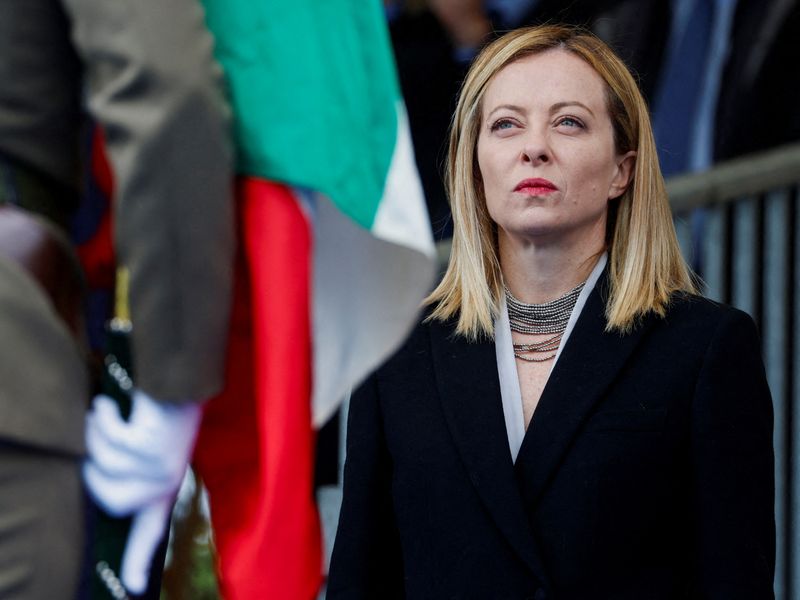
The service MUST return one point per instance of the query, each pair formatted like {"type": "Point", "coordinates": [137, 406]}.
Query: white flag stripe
{"type": "Point", "coordinates": [366, 296]}
{"type": "Point", "coordinates": [401, 217]}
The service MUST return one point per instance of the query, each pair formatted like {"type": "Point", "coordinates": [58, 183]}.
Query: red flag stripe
{"type": "Point", "coordinates": [256, 446]}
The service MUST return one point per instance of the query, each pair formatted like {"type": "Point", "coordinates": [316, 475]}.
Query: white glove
{"type": "Point", "coordinates": [134, 463]}
{"type": "Point", "coordinates": [136, 466]}
{"type": "Point", "coordinates": [147, 528]}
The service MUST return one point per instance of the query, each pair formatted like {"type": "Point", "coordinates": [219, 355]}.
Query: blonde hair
{"type": "Point", "coordinates": [645, 263]}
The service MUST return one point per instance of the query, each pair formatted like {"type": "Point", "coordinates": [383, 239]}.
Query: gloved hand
{"type": "Point", "coordinates": [133, 463]}
{"type": "Point", "coordinates": [136, 466]}
{"type": "Point", "coordinates": [147, 528]}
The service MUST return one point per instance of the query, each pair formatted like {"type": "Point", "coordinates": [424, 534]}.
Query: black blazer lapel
{"type": "Point", "coordinates": [469, 390]}
{"type": "Point", "coordinates": [588, 364]}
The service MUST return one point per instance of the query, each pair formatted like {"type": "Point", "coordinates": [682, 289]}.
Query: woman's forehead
{"type": "Point", "coordinates": [549, 77]}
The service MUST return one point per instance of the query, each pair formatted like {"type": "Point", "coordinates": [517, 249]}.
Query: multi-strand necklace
{"type": "Point", "coordinates": [549, 318]}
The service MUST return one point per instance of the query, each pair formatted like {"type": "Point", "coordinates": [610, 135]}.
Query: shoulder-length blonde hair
{"type": "Point", "coordinates": [645, 262]}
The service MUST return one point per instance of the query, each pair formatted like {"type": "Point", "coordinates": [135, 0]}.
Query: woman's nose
{"type": "Point", "coordinates": [536, 150]}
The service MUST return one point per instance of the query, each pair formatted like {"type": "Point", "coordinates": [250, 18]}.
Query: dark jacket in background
{"type": "Point", "coordinates": [760, 92]}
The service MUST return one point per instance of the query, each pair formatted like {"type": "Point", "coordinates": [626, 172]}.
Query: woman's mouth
{"type": "Point", "coordinates": [536, 187]}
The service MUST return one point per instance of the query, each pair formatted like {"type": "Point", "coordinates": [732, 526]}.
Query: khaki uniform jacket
{"type": "Point", "coordinates": [146, 71]}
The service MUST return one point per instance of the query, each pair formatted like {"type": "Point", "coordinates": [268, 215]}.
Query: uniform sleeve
{"type": "Point", "coordinates": [155, 89]}
{"type": "Point", "coordinates": [733, 468]}
{"type": "Point", "coordinates": [366, 561]}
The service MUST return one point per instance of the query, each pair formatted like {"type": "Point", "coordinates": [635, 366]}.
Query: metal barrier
{"type": "Point", "coordinates": [738, 225]}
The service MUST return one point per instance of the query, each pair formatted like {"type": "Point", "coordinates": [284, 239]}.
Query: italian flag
{"type": "Point", "coordinates": [335, 256]}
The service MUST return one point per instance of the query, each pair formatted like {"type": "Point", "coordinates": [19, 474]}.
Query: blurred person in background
{"type": "Point", "coordinates": [145, 73]}
{"type": "Point", "coordinates": [755, 81]}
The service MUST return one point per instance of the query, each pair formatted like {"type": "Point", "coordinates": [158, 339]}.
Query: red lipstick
{"type": "Point", "coordinates": [536, 186]}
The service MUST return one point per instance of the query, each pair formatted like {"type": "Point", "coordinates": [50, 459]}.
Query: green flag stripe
{"type": "Point", "coordinates": [313, 90]}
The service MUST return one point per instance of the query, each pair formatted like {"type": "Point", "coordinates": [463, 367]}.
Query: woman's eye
{"type": "Point", "coordinates": [502, 124]}
{"type": "Point", "coordinates": [570, 122]}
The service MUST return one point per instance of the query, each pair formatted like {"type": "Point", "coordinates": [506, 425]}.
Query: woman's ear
{"type": "Point", "coordinates": [622, 178]}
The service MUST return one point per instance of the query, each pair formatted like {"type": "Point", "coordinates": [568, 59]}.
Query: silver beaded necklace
{"type": "Point", "coordinates": [538, 319]}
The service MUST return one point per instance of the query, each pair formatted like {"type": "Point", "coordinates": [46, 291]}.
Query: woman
{"type": "Point", "coordinates": [569, 421]}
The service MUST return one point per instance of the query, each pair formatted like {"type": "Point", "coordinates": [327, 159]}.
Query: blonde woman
{"type": "Point", "coordinates": [570, 420]}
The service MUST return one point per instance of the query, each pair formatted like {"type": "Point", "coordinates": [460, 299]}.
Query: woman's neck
{"type": "Point", "coordinates": [539, 273]}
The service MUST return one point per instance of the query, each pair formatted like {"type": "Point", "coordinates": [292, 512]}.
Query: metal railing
{"type": "Point", "coordinates": [738, 225]}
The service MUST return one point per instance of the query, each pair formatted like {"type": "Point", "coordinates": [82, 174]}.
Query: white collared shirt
{"type": "Point", "coordinates": [507, 363]}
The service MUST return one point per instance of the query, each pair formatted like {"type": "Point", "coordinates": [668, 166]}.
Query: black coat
{"type": "Point", "coordinates": [646, 472]}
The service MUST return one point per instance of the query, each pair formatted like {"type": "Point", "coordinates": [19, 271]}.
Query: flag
{"type": "Point", "coordinates": [335, 256]}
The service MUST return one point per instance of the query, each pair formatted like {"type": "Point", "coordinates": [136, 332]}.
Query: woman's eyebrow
{"type": "Point", "coordinates": [559, 105]}
{"type": "Point", "coordinates": [554, 108]}
{"type": "Point", "coordinates": [511, 107]}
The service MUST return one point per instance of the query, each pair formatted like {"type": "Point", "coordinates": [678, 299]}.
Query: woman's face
{"type": "Point", "coordinates": [546, 151]}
